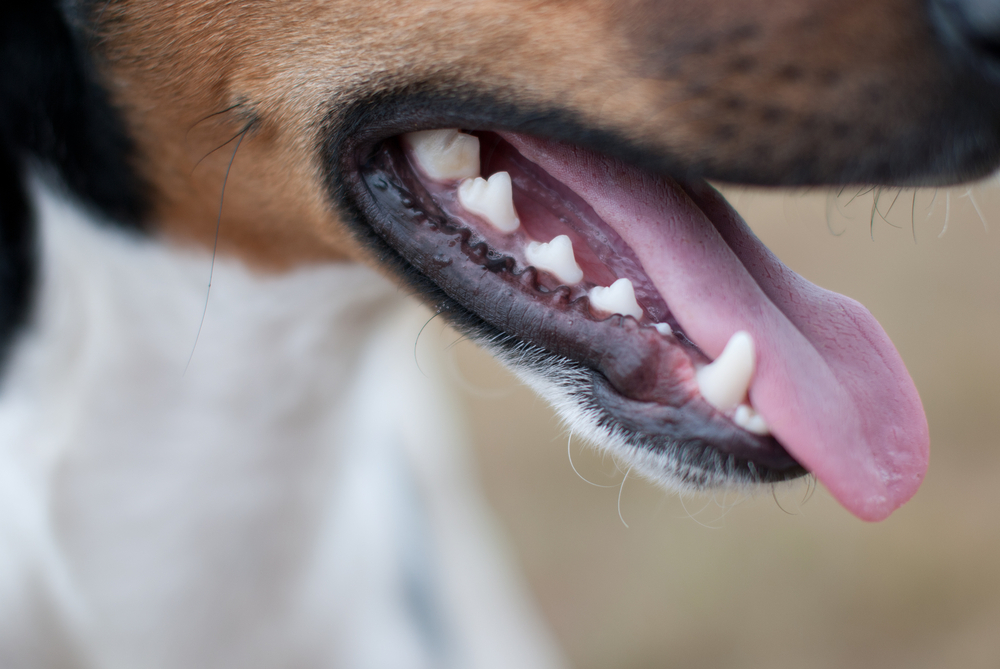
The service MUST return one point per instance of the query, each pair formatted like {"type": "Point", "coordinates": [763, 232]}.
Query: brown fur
{"type": "Point", "coordinates": [747, 88]}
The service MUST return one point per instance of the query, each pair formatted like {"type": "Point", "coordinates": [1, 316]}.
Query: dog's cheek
{"type": "Point", "coordinates": [252, 187]}
{"type": "Point", "coordinates": [231, 155]}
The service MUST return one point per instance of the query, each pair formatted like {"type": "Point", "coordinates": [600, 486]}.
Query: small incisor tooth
{"type": "Point", "coordinates": [618, 298]}
{"type": "Point", "coordinates": [747, 417]}
{"type": "Point", "coordinates": [724, 382]}
{"type": "Point", "coordinates": [491, 199]}
{"type": "Point", "coordinates": [555, 257]}
{"type": "Point", "coordinates": [445, 154]}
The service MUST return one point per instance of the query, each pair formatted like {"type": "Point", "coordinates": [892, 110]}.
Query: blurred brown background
{"type": "Point", "coordinates": [791, 579]}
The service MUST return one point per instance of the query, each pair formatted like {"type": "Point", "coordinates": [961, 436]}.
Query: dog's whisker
{"type": "Point", "coordinates": [694, 516]}
{"type": "Point", "coordinates": [833, 205]}
{"type": "Point", "coordinates": [810, 484]}
{"type": "Point", "coordinates": [975, 205]}
{"type": "Point", "coordinates": [620, 489]}
{"type": "Point", "coordinates": [871, 221]}
{"type": "Point", "coordinates": [215, 248]}
{"type": "Point", "coordinates": [863, 191]}
{"type": "Point", "coordinates": [893, 203]}
{"type": "Point", "coordinates": [237, 136]}
{"type": "Point", "coordinates": [456, 375]}
{"type": "Point", "coordinates": [884, 217]}
{"type": "Point", "coordinates": [569, 455]}
{"type": "Point", "coordinates": [416, 343]}
{"type": "Point", "coordinates": [947, 214]}
{"type": "Point", "coordinates": [930, 207]}
{"type": "Point", "coordinates": [213, 115]}
{"type": "Point", "coordinates": [777, 502]}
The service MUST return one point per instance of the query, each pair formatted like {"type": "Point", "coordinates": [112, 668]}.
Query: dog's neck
{"type": "Point", "coordinates": [272, 487]}
{"type": "Point", "coordinates": [124, 436]}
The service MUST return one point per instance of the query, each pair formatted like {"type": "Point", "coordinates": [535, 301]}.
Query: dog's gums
{"type": "Point", "coordinates": [669, 280]}
{"type": "Point", "coordinates": [723, 383]}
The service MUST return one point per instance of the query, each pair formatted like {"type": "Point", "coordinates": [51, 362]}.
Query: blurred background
{"type": "Point", "coordinates": [632, 577]}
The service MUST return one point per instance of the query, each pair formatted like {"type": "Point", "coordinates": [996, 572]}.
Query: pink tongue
{"type": "Point", "coordinates": [829, 383]}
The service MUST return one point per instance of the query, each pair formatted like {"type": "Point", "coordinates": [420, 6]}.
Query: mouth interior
{"type": "Point", "coordinates": [828, 383]}
{"type": "Point", "coordinates": [548, 209]}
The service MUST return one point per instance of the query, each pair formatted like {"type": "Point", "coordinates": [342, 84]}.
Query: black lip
{"type": "Point", "coordinates": [699, 447]}
{"type": "Point", "coordinates": [942, 147]}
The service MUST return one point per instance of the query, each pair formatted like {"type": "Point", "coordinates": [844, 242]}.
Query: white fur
{"type": "Point", "coordinates": [297, 498]}
{"type": "Point", "coordinates": [568, 387]}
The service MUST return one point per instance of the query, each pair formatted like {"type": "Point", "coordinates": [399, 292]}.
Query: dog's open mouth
{"type": "Point", "coordinates": [665, 330]}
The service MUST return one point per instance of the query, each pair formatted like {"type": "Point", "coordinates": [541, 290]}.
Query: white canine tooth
{"type": "Point", "coordinates": [724, 382]}
{"type": "Point", "coordinates": [445, 154]}
{"type": "Point", "coordinates": [556, 258]}
{"type": "Point", "coordinates": [664, 328]}
{"type": "Point", "coordinates": [751, 421]}
{"type": "Point", "coordinates": [618, 298]}
{"type": "Point", "coordinates": [493, 200]}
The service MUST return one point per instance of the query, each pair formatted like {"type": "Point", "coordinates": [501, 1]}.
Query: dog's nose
{"type": "Point", "coordinates": [971, 28]}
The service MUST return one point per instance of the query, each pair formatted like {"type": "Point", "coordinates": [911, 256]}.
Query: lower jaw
{"type": "Point", "coordinates": [626, 384]}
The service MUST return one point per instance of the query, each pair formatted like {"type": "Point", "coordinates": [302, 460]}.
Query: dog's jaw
{"type": "Point", "coordinates": [629, 387]}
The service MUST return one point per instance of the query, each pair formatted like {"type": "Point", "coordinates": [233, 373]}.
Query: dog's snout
{"type": "Point", "coordinates": [971, 29]}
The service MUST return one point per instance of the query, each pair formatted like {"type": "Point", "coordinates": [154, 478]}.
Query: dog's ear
{"type": "Point", "coordinates": [53, 108]}
{"type": "Point", "coordinates": [53, 114]}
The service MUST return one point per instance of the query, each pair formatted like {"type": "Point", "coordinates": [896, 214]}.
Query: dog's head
{"type": "Point", "coordinates": [607, 117]}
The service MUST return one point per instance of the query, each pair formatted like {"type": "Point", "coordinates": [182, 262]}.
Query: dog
{"type": "Point", "coordinates": [215, 448]}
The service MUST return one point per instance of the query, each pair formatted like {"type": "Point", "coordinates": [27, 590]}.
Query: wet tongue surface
{"type": "Point", "coordinates": [829, 383]}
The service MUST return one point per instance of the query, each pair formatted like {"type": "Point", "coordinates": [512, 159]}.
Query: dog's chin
{"type": "Point", "coordinates": [630, 383]}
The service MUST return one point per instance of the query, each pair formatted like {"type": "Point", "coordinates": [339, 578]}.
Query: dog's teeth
{"type": "Point", "coordinates": [445, 154]}
{"type": "Point", "coordinates": [618, 298]}
{"type": "Point", "coordinates": [556, 258]}
{"type": "Point", "coordinates": [664, 329]}
{"type": "Point", "coordinates": [493, 200]}
{"type": "Point", "coordinates": [724, 382]}
{"type": "Point", "coordinates": [751, 421]}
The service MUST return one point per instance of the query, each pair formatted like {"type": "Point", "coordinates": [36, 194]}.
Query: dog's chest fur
{"type": "Point", "coordinates": [293, 496]}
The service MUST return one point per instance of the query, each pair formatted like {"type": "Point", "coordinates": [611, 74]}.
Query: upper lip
{"type": "Point", "coordinates": [701, 431]}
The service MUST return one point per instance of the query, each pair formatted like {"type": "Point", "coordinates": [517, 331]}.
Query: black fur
{"type": "Point", "coordinates": [53, 114]}
{"type": "Point", "coordinates": [17, 242]}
